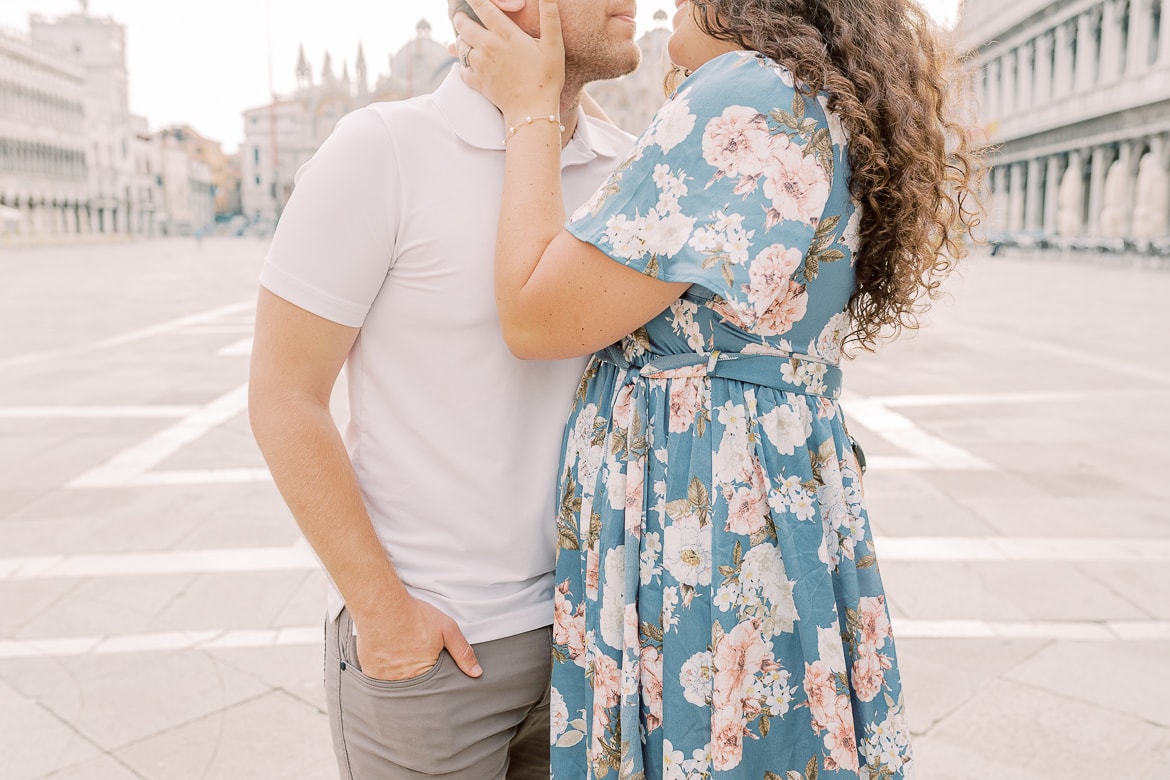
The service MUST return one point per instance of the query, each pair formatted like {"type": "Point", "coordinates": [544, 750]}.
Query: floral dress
{"type": "Point", "coordinates": [718, 608]}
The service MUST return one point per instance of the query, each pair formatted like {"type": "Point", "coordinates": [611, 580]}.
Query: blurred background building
{"type": "Point", "coordinates": [282, 136]}
{"type": "Point", "coordinates": [1076, 96]}
{"type": "Point", "coordinates": [76, 163]}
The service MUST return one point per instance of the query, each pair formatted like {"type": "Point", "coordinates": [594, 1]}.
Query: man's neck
{"type": "Point", "coordinates": [570, 100]}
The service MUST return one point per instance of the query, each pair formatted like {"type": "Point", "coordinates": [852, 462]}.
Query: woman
{"type": "Point", "coordinates": [719, 611]}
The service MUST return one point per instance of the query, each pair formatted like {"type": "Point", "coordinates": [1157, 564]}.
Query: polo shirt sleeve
{"type": "Point", "coordinates": [335, 241]}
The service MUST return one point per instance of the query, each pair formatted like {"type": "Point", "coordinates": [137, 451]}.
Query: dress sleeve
{"type": "Point", "coordinates": [335, 241]}
{"type": "Point", "coordinates": [725, 189]}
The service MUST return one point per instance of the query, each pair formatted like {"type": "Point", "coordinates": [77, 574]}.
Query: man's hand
{"type": "Point", "coordinates": [406, 641]}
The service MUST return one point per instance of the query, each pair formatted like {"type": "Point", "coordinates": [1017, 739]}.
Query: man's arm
{"type": "Point", "coordinates": [296, 358]}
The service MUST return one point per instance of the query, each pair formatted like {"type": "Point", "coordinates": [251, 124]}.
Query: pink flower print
{"type": "Point", "coordinates": [727, 733]}
{"type": "Point", "coordinates": [797, 186]}
{"type": "Point", "coordinates": [841, 742]}
{"type": "Point", "coordinates": [747, 508]}
{"type": "Point", "coordinates": [568, 623]}
{"type": "Point", "coordinates": [739, 656]}
{"type": "Point", "coordinates": [738, 143]}
{"type": "Point", "coordinates": [607, 681]}
{"type": "Point", "coordinates": [875, 622]}
{"type": "Point", "coordinates": [820, 687]}
{"type": "Point", "coordinates": [652, 686]}
{"type": "Point", "coordinates": [592, 572]}
{"type": "Point", "coordinates": [770, 273]}
{"type": "Point", "coordinates": [622, 408]}
{"type": "Point", "coordinates": [634, 498]}
{"type": "Point", "coordinates": [685, 397]}
{"type": "Point", "coordinates": [784, 312]}
{"type": "Point", "coordinates": [869, 673]}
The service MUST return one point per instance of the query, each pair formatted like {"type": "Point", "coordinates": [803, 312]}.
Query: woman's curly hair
{"type": "Point", "coordinates": [916, 165]}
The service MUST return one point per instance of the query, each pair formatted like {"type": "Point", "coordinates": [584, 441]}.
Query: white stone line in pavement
{"type": "Point", "coordinates": [130, 336]}
{"type": "Point", "coordinates": [13, 649]}
{"type": "Point", "coordinates": [240, 476]}
{"type": "Point", "coordinates": [997, 548]}
{"type": "Point", "coordinates": [973, 399]}
{"type": "Point", "coordinates": [130, 464]}
{"type": "Point", "coordinates": [93, 412]}
{"type": "Point", "coordinates": [241, 348]}
{"type": "Point", "coordinates": [215, 329]}
{"type": "Point", "coordinates": [904, 629]}
{"type": "Point", "coordinates": [903, 433]}
{"type": "Point", "coordinates": [298, 557]}
{"type": "Point", "coordinates": [1108, 630]}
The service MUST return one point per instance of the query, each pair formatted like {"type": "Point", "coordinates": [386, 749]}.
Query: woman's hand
{"type": "Point", "coordinates": [522, 75]}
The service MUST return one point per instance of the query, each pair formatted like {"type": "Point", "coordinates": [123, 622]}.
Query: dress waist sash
{"type": "Point", "coordinates": [788, 373]}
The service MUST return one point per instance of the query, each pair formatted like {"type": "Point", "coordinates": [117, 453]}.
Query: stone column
{"type": "Point", "coordinates": [1164, 34]}
{"type": "Point", "coordinates": [1043, 87]}
{"type": "Point", "coordinates": [1063, 65]}
{"type": "Point", "coordinates": [993, 109]}
{"type": "Point", "coordinates": [1016, 200]}
{"type": "Point", "coordinates": [1130, 158]}
{"type": "Point", "coordinates": [1110, 66]}
{"type": "Point", "coordinates": [1010, 79]}
{"type": "Point", "coordinates": [1034, 197]}
{"type": "Point", "coordinates": [1071, 212]}
{"type": "Point", "coordinates": [1026, 68]}
{"type": "Point", "coordinates": [1055, 171]}
{"type": "Point", "coordinates": [1098, 167]}
{"type": "Point", "coordinates": [1138, 55]}
{"type": "Point", "coordinates": [1087, 26]}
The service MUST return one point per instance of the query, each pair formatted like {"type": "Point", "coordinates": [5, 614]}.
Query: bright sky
{"type": "Point", "coordinates": [204, 63]}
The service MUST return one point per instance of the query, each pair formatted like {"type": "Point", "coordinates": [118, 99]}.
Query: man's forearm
{"type": "Point", "coordinates": [313, 472]}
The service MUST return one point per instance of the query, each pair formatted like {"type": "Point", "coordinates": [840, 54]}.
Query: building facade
{"type": "Point", "coordinates": [281, 137]}
{"type": "Point", "coordinates": [1075, 96]}
{"type": "Point", "coordinates": [44, 173]}
{"type": "Point", "coordinates": [74, 161]}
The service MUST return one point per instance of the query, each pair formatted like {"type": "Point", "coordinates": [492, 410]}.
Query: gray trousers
{"type": "Point", "coordinates": [442, 724]}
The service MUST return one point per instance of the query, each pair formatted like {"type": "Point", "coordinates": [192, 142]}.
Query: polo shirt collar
{"type": "Point", "coordinates": [478, 123]}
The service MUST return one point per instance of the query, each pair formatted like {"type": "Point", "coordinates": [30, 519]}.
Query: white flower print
{"type": "Point", "coordinates": [851, 237]}
{"type": "Point", "coordinates": [687, 551]}
{"type": "Point", "coordinates": [828, 344]}
{"type": "Point", "coordinates": [724, 237]}
{"type": "Point", "coordinates": [613, 597]}
{"type": "Point", "coordinates": [559, 714]}
{"type": "Point", "coordinates": [673, 123]}
{"type": "Point", "coordinates": [763, 575]}
{"type": "Point", "coordinates": [830, 648]}
{"type": "Point", "coordinates": [671, 187]}
{"type": "Point", "coordinates": [697, 677]}
{"type": "Point", "coordinates": [648, 561]}
{"type": "Point", "coordinates": [787, 427]}
{"type": "Point", "coordinates": [682, 321]}
{"type": "Point", "coordinates": [837, 131]}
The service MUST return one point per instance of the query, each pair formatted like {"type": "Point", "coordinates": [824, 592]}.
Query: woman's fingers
{"type": "Point", "coordinates": [550, 23]}
{"type": "Point", "coordinates": [470, 33]}
{"type": "Point", "coordinates": [491, 16]}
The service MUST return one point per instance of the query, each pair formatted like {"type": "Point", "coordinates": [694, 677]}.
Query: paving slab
{"type": "Point", "coordinates": [34, 741]}
{"type": "Point", "coordinates": [273, 735]}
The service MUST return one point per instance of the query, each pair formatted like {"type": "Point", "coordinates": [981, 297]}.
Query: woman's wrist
{"type": "Point", "coordinates": [539, 121]}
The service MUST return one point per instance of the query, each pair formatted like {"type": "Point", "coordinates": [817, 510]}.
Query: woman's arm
{"type": "Point", "coordinates": [557, 296]}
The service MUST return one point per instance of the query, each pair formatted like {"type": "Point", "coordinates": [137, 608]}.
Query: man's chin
{"type": "Point", "coordinates": [591, 69]}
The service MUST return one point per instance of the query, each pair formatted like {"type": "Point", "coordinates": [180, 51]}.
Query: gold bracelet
{"type": "Point", "coordinates": [551, 118]}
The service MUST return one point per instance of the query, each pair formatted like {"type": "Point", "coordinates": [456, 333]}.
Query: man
{"type": "Point", "coordinates": [434, 518]}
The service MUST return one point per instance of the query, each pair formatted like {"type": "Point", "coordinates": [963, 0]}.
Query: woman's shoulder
{"type": "Point", "coordinates": [740, 75]}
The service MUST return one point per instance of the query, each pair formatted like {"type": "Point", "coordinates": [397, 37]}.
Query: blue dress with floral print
{"type": "Point", "coordinates": [719, 612]}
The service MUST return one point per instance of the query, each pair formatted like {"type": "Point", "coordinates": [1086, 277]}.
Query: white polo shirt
{"type": "Point", "coordinates": [392, 228]}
